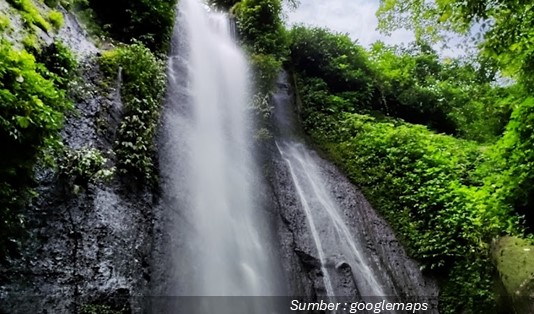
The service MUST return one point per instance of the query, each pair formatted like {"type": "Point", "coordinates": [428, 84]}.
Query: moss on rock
{"type": "Point", "coordinates": [514, 258]}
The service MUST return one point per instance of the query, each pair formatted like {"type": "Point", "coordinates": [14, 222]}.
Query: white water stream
{"type": "Point", "coordinates": [331, 235]}
{"type": "Point", "coordinates": [210, 168]}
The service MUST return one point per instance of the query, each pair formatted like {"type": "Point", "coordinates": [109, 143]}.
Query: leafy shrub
{"type": "Point", "coordinates": [60, 63]}
{"type": "Point", "coordinates": [482, 118]}
{"type": "Point", "coordinates": [4, 23]}
{"type": "Point", "coordinates": [332, 70]}
{"type": "Point", "coordinates": [84, 166]}
{"type": "Point", "coordinates": [263, 134]}
{"type": "Point", "coordinates": [56, 19]}
{"type": "Point", "coordinates": [98, 309]}
{"type": "Point", "coordinates": [149, 21]}
{"type": "Point", "coordinates": [30, 120]}
{"type": "Point", "coordinates": [262, 31]}
{"type": "Point", "coordinates": [335, 58]}
{"type": "Point", "coordinates": [261, 28]}
{"type": "Point", "coordinates": [510, 172]}
{"type": "Point", "coordinates": [451, 96]}
{"type": "Point", "coordinates": [454, 96]}
{"type": "Point", "coordinates": [427, 187]}
{"type": "Point", "coordinates": [262, 106]}
{"type": "Point", "coordinates": [30, 13]}
{"type": "Point", "coordinates": [266, 69]}
{"type": "Point", "coordinates": [52, 3]}
{"type": "Point", "coordinates": [31, 43]}
{"type": "Point", "coordinates": [407, 80]}
{"type": "Point", "coordinates": [142, 92]}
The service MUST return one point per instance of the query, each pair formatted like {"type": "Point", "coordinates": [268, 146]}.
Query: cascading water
{"type": "Point", "coordinates": [216, 238]}
{"type": "Point", "coordinates": [332, 237]}
{"type": "Point", "coordinates": [210, 179]}
{"type": "Point", "coordinates": [311, 222]}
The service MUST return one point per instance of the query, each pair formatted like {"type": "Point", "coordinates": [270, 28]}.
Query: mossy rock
{"type": "Point", "coordinates": [514, 258]}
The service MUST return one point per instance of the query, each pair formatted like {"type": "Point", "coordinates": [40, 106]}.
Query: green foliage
{"type": "Point", "coordinates": [262, 31]}
{"type": "Point", "coordinates": [484, 115]}
{"type": "Point", "coordinates": [52, 3]}
{"type": "Point", "coordinates": [333, 74]}
{"type": "Point", "coordinates": [425, 184]}
{"type": "Point", "coordinates": [511, 170]}
{"type": "Point", "coordinates": [30, 120]}
{"type": "Point", "coordinates": [263, 134]}
{"type": "Point", "coordinates": [262, 106]}
{"type": "Point", "coordinates": [56, 19]}
{"type": "Point", "coordinates": [317, 98]}
{"type": "Point", "coordinates": [60, 62]}
{"type": "Point", "coordinates": [410, 86]}
{"type": "Point", "coordinates": [83, 166]}
{"type": "Point", "coordinates": [260, 25]}
{"type": "Point", "coordinates": [98, 309]}
{"type": "Point", "coordinates": [31, 42]}
{"type": "Point", "coordinates": [30, 14]}
{"type": "Point", "coordinates": [149, 21]}
{"type": "Point", "coordinates": [266, 69]}
{"type": "Point", "coordinates": [470, 287]}
{"type": "Point", "coordinates": [335, 58]}
{"type": "Point", "coordinates": [451, 96]}
{"type": "Point", "coordinates": [4, 23]}
{"type": "Point", "coordinates": [504, 24]}
{"type": "Point", "coordinates": [142, 91]}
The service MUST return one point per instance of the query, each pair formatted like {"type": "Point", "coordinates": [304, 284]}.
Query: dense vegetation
{"type": "Point", "coordinates": [447, 197]}
{"type": "Point", "coordinates": [35, 85]}
{"type": "Point", "coordinates": [142, 91]}
{"type": "Point", "coordinates": [502, 28]}
{"type": "Point", "coordinates": [442, 149]}
{"type": "Point", "coordinates": [378, 113]}
{"type": "Point", "coordinates": [148, 21]}
{"type": "Point", "coordinates": [34, 89]}
{"type": "Point", "coordinates": [427, 187]}
{"type": "Point", "coordinates": [33, 98]}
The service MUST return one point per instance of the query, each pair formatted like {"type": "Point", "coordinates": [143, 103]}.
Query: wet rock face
{"type": "Point", "coordinates": [81, 250]}
{"type": "Point", "coordinates": [400, 276]}
{"type": "Point", "coordinates": [301, 269]}
{"type": "Point", "coordinates": [75, 37]}
{"type": "Point", "coordinates": [387, 257]}
{"type": "Point", "coordinates": [87, 247]}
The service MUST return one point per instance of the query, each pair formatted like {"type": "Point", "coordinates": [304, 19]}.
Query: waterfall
{"type": "Point", "coordinates": [311, 221]}
{"type": "Point", "coordinates": [209, 176]}
{"type": "Point", "coordinates": [332, 237]}
{"type": "Point", "coordinates": [217, 216]}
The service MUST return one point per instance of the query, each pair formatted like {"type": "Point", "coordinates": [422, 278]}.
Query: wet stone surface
{"type": "Point", "coordinates": [86, 245]}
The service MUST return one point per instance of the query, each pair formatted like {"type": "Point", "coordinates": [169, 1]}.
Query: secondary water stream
{"type": "Point", "coordinates": [332, 237]}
